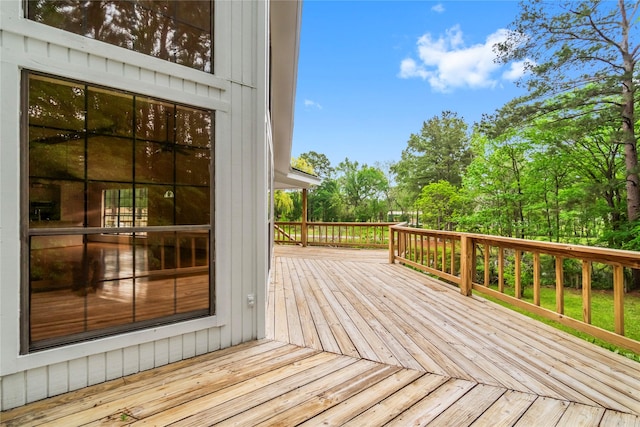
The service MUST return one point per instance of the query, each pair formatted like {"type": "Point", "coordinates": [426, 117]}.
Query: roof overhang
{"type": "Point", "coordinates": [285, 21]}
{"type": "Point", "coordinates": [294, 179]}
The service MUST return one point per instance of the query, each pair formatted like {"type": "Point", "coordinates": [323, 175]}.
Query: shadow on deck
{"type": "Point", "coordinates": [353, 340]}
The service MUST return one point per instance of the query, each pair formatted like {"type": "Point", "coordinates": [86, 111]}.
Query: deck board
{"type": "Point", "coordinates": [471, 338]}
{"type": "Point", "coordinates": [354, 340]}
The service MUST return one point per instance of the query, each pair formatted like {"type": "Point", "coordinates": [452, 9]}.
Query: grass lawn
{"type": "Point", "coordinates": [601, 313]}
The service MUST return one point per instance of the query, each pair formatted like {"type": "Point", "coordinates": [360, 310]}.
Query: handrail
{"type": "Point", "coordinates": [339, 234]}
{"type": "Point", "coordinates": [466, 259]}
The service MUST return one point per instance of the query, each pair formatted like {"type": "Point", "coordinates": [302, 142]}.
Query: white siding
{"type": "Point", "coordinates": [115, 367]}
{"type": "Point", "coordinates": [237, 92]}
{"type": "Point", "coordinates": [58, 378]}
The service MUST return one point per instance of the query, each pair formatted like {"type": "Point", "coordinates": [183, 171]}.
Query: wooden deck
{"type": "Point", "coordinates": [353, 340]}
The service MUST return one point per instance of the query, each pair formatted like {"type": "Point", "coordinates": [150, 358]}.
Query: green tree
{"type": "Point", "coordinates": [593, 150]}
{"type": "Point", "coordinates": [282, 204]}
{"type": "Point", "coordinates": [363, 187]}
{"type": "Point", "coordinates": [587, 49]}
{"type": "Point", "coordinates": [495, 178]}
{"type": "Point", "coordinates": [325, 201]}
{"type": "Point", "coordinates": [301, 164]}
{"type": "Point", "coordinates": [441, 203]}
{"type": "Point", "coordinates": [320, 164]}
{"type": "Point", "coordinates": [439, 152]}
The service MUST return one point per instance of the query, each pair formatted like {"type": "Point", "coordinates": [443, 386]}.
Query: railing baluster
{"type": "Point", "coordinates": [444, 255]}
{"type": "Point", "coordinates": [452, 257]}
{"type": "Point", "coordinates": [487, 266]}
{"type": "Point", "coordinates": [500, 269]}
{"type": "Point", "coordinates": [586, 291]}
{"type": "Point", "coordinates": [474, 261]}
{"type": "Point", "coordinates": [518, 275]}
{"type": "Point", "coordinates": [559, 285]}
{"type": "Point", "coordinates": [618, 298]}
{"type": "Point", "coordinates": [536, 278]}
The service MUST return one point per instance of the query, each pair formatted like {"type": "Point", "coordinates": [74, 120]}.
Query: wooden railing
{"type": "Point", "coordinates": [347, 234]}
{"type": "Point", "coordinates": [503, 267]}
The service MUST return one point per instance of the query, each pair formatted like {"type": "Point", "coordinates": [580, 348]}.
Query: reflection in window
{"type": "Point", "coordinates": [122, 209]}
{"type": "Point", "coordinates": [140, 162]}
{"type": "Point", "coordinates": [177, 31]}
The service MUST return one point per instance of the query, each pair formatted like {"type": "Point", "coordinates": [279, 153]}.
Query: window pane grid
{"type": "Point", "coordinates": [97, 282]}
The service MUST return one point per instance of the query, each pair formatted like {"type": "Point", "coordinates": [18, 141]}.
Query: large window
{"type": "Point", "coordinates": [177, 31]}
{"type": "Point", "coordinates": [119, 211]}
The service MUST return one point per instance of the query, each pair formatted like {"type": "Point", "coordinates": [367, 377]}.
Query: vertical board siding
{"type": "Point", "coordinates": [10, 303]}
{"type": "Point", "coordinates": [233, 94]}
{"type": "Point", "coordinates": [188, 345]}
{"type": "Point", "coordinates": [249, 215]}
{"type": "Point", "coordinates": [236, 255]}
{"type": "Point", "coordinates": [36, 384]}
{"type": "Point", "coordinates": [161, 352]}
{"type": "Point", "coordinates": [14, 390]}
{"type": "Point", "coordinates": [222, 41]}
{"type": "Point", "coordinates": [147, 359]}
{"type": "Point", "coordinates": [57, 51]}
{"type": "Point", "coordinates": [78, 373]}
{"type": "Point", "coordinates": [78, 58]}
{"type": "Point", "coordinates": [175, 348]}
{"type": "Point", "coordinates": [214, 335]}
{"type": "Point", "coordinates": [248, 41]}
{"type": "Point", "coordinates": [236, 41]}
{"type": "Point", "coordinates": [39, 383]}
{"type": "Point", "coordinates": [96, 368]}
{"type": "Point", "coordinates": [58, 378]}
{"type": "Point", "coordinates": [131, 72]}
{"type": "Point", "coordinates": [202, 342]}
{"type": "Point", "coordinates": [115, 365]}
{"type": "Point", "coordinates": [36, 47]}
{"type": "Point", "coordinates": [130, 360]}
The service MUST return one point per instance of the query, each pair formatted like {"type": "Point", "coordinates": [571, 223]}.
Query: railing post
{"type": "Point", "coordinates": [303, 232]}
{"type": "Point", "coordinates": [466, 264]}
{"type": "Point", "coordinates": [392, 255]}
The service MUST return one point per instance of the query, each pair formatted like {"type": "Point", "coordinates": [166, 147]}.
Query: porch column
{"type": "Point", "coordinates": [304, 217]}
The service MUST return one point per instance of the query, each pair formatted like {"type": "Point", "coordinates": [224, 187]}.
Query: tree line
{"type": "Point", "coordinates": [348, 192]}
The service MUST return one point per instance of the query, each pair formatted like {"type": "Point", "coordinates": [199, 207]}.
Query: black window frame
{"type": "Point", "coordinates": [27, 345]}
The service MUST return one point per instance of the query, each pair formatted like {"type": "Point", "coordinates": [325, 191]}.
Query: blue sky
{"type": "Point", "coordinates": [371, 72]}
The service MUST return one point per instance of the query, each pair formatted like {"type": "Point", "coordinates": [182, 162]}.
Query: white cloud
{"type": "Point", "coordinates": [312, 104]}
{"type": "Point", "coordinates": [447, 63]}
{"type": "Point", "coordinates": [516, 70]}
{"type": "Point", "coordinates": [439, 8]}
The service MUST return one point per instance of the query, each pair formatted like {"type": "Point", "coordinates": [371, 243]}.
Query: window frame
{"type": "Point", "coordinates": [27, 232]}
